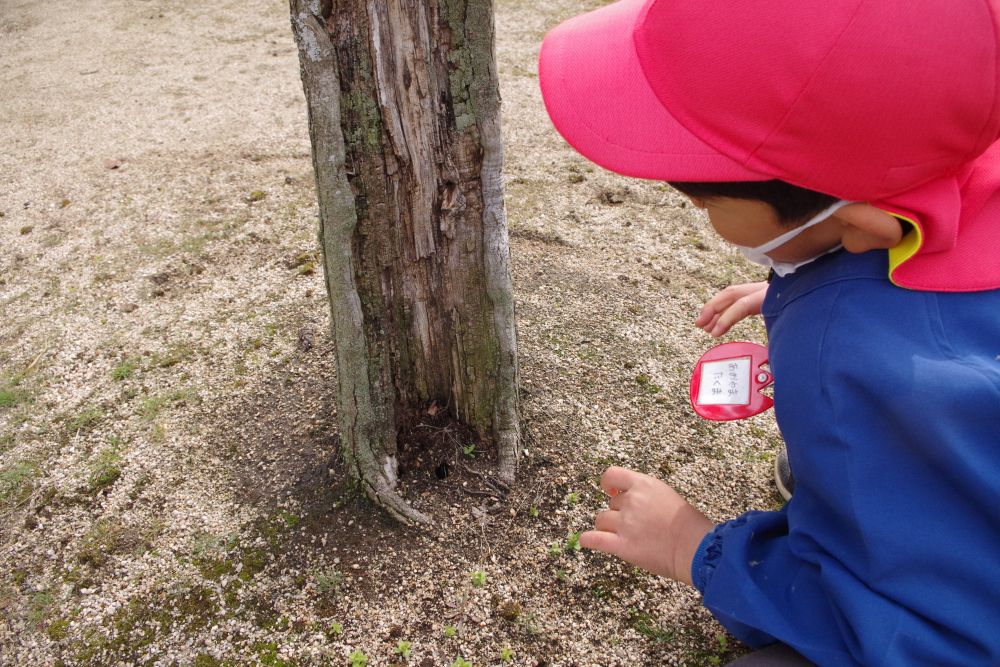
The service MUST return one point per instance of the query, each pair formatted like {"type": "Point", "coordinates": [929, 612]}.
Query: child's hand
{"type": "Point", "coordinates": [648, 524]}
{"type": "Point", "coordinates": [731, 305]}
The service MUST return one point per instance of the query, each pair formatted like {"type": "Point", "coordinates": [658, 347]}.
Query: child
{"type": "Point", "coordinates": [852, 146]}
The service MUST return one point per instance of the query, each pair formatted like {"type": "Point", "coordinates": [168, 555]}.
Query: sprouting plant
{"type": "Point", "coordinates": [403, 648]}
{"type": "Point", "coordinates": [469, 450]}
{"type": "Point", "coordinates": [529, 622]}
{"type": "Point", "coordinates": [533, 512]}
{"type": "Point", "coordinates": [573, 542]}
{"type": "Point", "coordinates": [358, 659]}
{"type": "Point", "coordinates": [561, 574]}
{"type": "Point", "coordinates": [506, 654]}
{"type": "Point", "coordinates": [450, 631]}
{"type": "Point", "coordinates": [722, 644]}
{"type": "Point", "coordinates": [555, 548]}
{"type": "Point", "coordinates": [602, 589]}
{"type": "Point", "coordinates": [478, 578]}
{"type": "Point", "coordinates": [329, 580]}
{"type": "Point", "coordinates": [124, 369]}
{"type": "Point", "coordinates": [572, 498]}
{"type": "Point", "coordinates": [461, 662]}
{"type": "Point", "coordinates": [336, 629]}
{"type": "Point", "coordinates": [646, 625]}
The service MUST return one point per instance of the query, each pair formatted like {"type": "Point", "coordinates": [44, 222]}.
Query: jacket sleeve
{"type": "Point", "coordinates": [760, 591]}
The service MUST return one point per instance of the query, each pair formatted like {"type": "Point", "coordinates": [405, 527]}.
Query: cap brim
{"type": "Point", "coordinates": [599, 100]}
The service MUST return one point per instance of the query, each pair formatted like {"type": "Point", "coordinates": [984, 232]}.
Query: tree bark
{"type": "Point", "coordinates": [404, 105]}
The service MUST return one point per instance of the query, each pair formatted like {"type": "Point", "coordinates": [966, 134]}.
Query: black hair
{"type": "Point", "coordinates": [794, 205]}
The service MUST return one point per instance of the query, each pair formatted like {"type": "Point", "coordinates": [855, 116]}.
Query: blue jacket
{"type": "Point", "coordinates": [889, 403]}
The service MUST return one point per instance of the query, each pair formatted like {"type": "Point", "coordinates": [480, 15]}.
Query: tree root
{"type": "Point", "coordinates": [388, 499]}
{"type": "Point", "coordinates": [500, 488]}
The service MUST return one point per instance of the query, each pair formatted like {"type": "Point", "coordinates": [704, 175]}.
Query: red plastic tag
{"type": "Point", "coordinates": [727, 381]}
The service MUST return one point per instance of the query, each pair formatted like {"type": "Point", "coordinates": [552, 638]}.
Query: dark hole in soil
{"type": "Point", "coordinates": [431, 445]}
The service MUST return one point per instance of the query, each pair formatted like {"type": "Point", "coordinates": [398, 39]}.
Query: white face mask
{"type": "Point", "coordinates": [759, 254]}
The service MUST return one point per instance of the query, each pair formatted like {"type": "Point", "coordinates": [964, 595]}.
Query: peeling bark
{"type": "Point", "coordinates": [403, 104]}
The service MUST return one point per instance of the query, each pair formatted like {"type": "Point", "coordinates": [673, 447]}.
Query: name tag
{"type": "Point", "coordinates": [727, 381]}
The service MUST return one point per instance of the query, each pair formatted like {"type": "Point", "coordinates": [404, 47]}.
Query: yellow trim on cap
{"type": "Point", "coordinates": [906, 248]}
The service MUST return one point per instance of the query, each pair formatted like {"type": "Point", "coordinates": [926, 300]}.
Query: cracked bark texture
{"type": "Point", "coordinates": [404, 117]}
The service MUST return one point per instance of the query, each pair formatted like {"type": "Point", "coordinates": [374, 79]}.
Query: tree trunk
{"type": "Point", "coordinates": [404, 116]}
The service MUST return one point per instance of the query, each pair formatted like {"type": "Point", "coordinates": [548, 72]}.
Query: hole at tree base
{"type": "Point", "coordinates": [432, 446]}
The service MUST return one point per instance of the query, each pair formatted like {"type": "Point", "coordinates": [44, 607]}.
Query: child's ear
{"type": "Point", "coordinates": [868, 228]}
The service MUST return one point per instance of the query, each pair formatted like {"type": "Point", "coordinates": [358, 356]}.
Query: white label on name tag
{"type": "Point", "coordinates": [725, 382]}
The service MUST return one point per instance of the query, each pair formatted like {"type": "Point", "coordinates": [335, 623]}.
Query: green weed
{"type": "Point", "coordinates": [151, 406]}
{"type": "Point", "coordinates": [213, 568]}
{"type": "Point", "coordinates": [290, 520]}
{"type": "Point", "coordinates": [10, 397]}
{"type": "Point", "coordinates": [647, 626]}
{"type": "Point", "coordinates": [40, 606]}
{"type": "Point", "coordinates": [719, 652]}
{"type": "Point", "coordinates": [85, 421]}
{"type": "Point", "coordinates": [267, 654]}
{"type": "Point", "coordinates": [529, 622]}
{"type": "Point", "coordinates": [18, 480]}
{"type": "Point", "coordinates": [105, 469]}
{"type": "Point", "coordinates": [125, 369]}
{"type": "Point", "coordinates": [58, 629]}
{"type": "Point", "coordinates": [175, 354]}
{"type": "Point", "coordinates": [647, 384]}
{"type": "Point", "coordinates": [329, 581]}
{"type": "Point", "coordinates": [403, 649]}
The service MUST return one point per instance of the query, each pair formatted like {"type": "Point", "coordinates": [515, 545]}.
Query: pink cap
{"type": "Point", "coordinates": [861, 99]}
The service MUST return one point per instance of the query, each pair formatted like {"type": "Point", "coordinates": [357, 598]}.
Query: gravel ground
{"type": "Point", "coordinates": [170, 485]}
